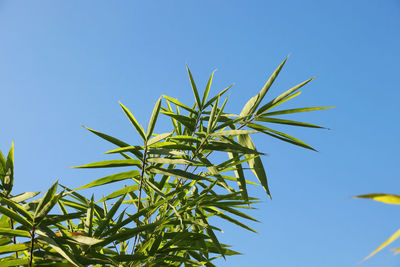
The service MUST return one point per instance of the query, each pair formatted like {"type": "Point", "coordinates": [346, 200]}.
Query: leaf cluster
{"type": "Point", "coordinates": [175, 183]}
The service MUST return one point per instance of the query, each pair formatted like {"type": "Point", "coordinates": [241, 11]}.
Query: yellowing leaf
{"type": "Point", "coordinates": [385, 198]}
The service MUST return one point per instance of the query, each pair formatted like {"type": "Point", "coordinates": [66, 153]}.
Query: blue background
{"type": "Point", "coordinates": [63, 63]}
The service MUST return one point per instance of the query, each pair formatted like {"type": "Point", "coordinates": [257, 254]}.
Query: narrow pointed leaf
{"type": "Point", "coordinates": [385, 198]}
{"type": "Point", "coordinates": [113, 163]}
{"type": "Point", "coordinates": [207, 90]}
{"type": "Point", "coordinates": [282, 97]}
{"type": "Point", "coordinates": [255, 101]}
{"type": "Point", "coordinates": [288, 122]}
{"type": "Point", "coordinates": [209, 102]}
{"type": "Point", "coordinates": [392, 238]}
{"type": "Point", "coordinates": [255, 164]}
{"type": "Point", "coordinates": [153, 119]}
{"type": "Point", "coordinates": [194, 88]}
{"type": "Point", "coordinates": [111, 179]}
{"type": "Point", "coordinates": [158, 138]}
{"type": "Point", "coordinates": [108, 138]}
{"type": "Point", "coordinates": [294, 110]}
{"type": "Point", "coordinates": [134, 122]}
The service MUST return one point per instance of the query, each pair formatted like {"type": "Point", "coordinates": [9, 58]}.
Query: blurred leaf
{"type": "Point", "coordinates": [12, 232]}
{"type": "Point", "coordinates": [24, 196]}
{"type": "Point", "coordinates": [13, 248]}
{"type": "Point", "coordinates": [392, 238]}
{"type": "Point", "coordinates": [385, 198]}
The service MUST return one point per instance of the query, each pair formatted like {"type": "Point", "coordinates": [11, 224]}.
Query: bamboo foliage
{"type": "Point", "coordinates": [177, 180]}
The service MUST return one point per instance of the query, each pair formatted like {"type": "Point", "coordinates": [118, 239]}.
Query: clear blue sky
{"type": "Point", "coordinates": [63, 63]}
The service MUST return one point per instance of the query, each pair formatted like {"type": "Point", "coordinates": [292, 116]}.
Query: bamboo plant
{"type": "Point", "coordinates": [173, 184]}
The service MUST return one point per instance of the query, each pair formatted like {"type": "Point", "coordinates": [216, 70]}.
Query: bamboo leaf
{"type": "Point", "coordinates": [135, 124]}
{"type": "Point", "coordinates": [13, 248]}
{"type": "Point", "coordinates": [207, 90]}
{"type": "Point", "coordinates": [108, 138]}
{"type": "Point", "coordinates": [176, 102]}
{"type": "Point", "coordinates": [158, 138]}
{"type": "Point", "coordinates": [281, 136]}
{"type": "Point", "coordinates": [120, 192]}
{"type": "Point", "coordinates": [209, 102]}
{"type": "Point", "coordinates": [102, 225]}
{"type": "Point", "coordinates": [113, 163]}
{"type": "Point", "coordinates": [288, 122]}
{"type": "Point", "coordinates": [255, 101]}
{"type": "Point", "coordinates": [194, 88]}
{"type": "Point", "coordinates": [255, 164]}
{"type": "Point", "coordinates": [177, 173]}
{"type": "Point", "coordinates": [24, 196]}
{"type": "Point", "coordinates": [281, 98]}
{"type": "Point", "coordinates": [294, 110]}
{"type": "Point", "coordinates": [46, 237]}
{"type": "Point", "coordinates": [385, 198]}
{"type": "Point", "coordinates": [240, 177]}
{"type": "Point", "coordinates": [16, 217]}
{"type": "Point", "coordinates": [153, 119]}
{"type": "Point", "coordinates": [111, 179]}
{"type": "Point", "coordinates": [13, 232]}
{"type": "Point", "coordinates": [233, 132]}
{"type": "Point", "coordinates": [392, 238]}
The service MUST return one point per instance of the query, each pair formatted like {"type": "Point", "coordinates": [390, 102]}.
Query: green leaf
{"type": "Point", "coordinates": [158, 138]}
{"type": "Point", "coordinates": [48, 237]}
{"type": "Point", "coordinates": [137, 126]}
{"type": "Point", "coordinates": [176, 102]}
{"type": "Point", "coordinates": [13, 232]}
{"type": "Point", "coordinates": [240, 177]}
{"type": "Point", "coordinates": [85, 240]}
{"type": "Point", "coordinates": [113, 163]}
{"type": "Point", "coordinates": [88, 227]}
{"type": "Point", "coordinates": [194, 88]}
{"type": "Point", "coordinates": [47, 202]}
{"type": "Point", "coordinates": [233, 132]}
{"type": "Point", "coordinates": [16, 217]}
{"type": "Point", "coordinates": [120, 192]}
{"type": "Point", "coordinates": [177, 173]}
{"type": "Point", "coordinates": [392, 238]}
{"type": "Point", "coordinates": [14, 262]}
{"type": "Point", "coordinates": [209, 102]}
{"type": "Point", "coordinates": [288, 122]}
{"type": "Point", "coordinates": [24, 196]}
{"type": "Point", "coordinates": [153, 119]}
{"type": "Point", "coordinates": [207, 90]}
{"type": "Point", "coordinates": [255, 101]}
{"type": "Point", "coordinates": [16, 207]}
{"type": "Point", "coordinates": [104, 223]}
{"type": "Point", "coordinates": [111, 179]}
{"type": "Point", "coordinates": [255, 164]}
{"type": "Point", "coordinates": [385, 198]}
{"type": "Point", "coordinates": [227, 147]}
{"type": "Point", "coordinates": [294, 110]}
{"type": "Point", "coordinates": [212, 115]}
{"type": "Point", "coordinates": [280, 135]}
{"type": "Point", "coordinates": [283, 97]}
{"type": "Point", "coordinates": [13, 248]}
{"type": "Point", "coordinates": [172, 161]}
{"type": "Point", "coordinates": [108, 138]}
